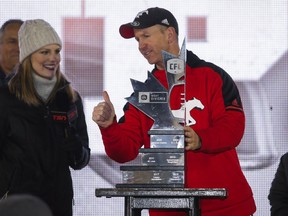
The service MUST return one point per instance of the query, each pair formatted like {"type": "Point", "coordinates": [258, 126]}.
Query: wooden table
{"type": "Point", "coordinates": [137, 199]}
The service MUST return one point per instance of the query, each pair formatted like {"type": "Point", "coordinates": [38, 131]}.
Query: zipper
{"type": "Point", "coordinates": [4, 196]}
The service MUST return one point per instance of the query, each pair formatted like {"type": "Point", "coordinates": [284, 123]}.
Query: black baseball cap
{"type": "Point", "coordinates": [148, 18]}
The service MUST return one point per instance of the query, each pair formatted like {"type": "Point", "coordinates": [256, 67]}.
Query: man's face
{"type": "Point", "coordinates": [9, 49]}
{"type": "Point", "coordinates": [151, 42]}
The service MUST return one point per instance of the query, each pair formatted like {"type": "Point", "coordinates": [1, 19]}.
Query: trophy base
{"type": "Point", "coordinates": [166, 138]}
{"type": "Point", "coordinates": [162, 156]}
{"type": "Point", "coordinates": [149, 185]}
{"type": "Point", "coordinates": [152, 174]}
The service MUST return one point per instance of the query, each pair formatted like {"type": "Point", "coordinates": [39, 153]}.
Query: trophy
{"type": "Point", "coordinates": [162, 165]}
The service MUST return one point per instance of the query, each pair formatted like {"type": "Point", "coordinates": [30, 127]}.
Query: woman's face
{"type": "Point", "coordinates": [46, 60]}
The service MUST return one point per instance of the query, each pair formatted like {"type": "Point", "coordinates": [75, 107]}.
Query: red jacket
{"type": "Point", "coordinates": [219, 123]}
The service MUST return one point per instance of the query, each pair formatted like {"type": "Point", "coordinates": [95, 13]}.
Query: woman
{"type": "Point", "coordinates": [42, 123]}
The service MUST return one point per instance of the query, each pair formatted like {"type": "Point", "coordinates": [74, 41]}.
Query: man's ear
{"type": "Point", "coordinates": [171, 34]}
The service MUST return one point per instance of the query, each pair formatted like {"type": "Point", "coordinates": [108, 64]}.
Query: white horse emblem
{"type": "Point", "coordinates": [190, 104]}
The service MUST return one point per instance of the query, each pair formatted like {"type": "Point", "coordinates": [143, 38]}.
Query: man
{"type": "Point", "coordinates": [9, 49]}
{"type": "Point", "coordinates": [278, 194]}
{"type": "Point", "coordinates": [210, 142]}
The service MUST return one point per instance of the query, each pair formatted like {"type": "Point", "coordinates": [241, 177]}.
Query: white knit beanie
{"type": "Point", "coordinates": [35, 34]}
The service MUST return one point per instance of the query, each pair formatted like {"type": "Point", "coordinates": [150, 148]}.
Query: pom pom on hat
{"type": "Point", "coordinates": [35, 34]}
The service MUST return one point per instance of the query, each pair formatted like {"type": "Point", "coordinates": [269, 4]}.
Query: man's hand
{"type": "Point", "coordinates": [192, 140]}
{"type": "Point", "coordinates": [104, 113]}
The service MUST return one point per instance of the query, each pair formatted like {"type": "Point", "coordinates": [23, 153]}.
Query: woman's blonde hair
{"type": "Point", "coordinates": [21, 84]}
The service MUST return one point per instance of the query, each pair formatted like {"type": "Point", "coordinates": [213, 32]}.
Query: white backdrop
{"type": "Point", "coordinates": [246, 38]}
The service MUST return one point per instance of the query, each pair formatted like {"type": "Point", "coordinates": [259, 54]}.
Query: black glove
{"type": "Point", "coordinates": [72, 141]}
{"type": "Point", "coordinates": [74, 148]}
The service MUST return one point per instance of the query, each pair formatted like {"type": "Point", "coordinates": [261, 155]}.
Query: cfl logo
{"type": "Point", "coordinates": [175, 66]}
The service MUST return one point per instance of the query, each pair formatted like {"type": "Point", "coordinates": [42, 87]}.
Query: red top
{"type": "Point", "coordinates": [220, 124]}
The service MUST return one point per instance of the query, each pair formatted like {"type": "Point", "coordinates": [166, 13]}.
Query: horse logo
{"type": "Point", "coordinates": [194, 103]}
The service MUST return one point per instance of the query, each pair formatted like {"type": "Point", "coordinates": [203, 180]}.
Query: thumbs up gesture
{"type": "Point", "coordinates": [104, 113]}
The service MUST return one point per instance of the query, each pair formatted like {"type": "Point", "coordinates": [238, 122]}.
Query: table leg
{"type": "Point", "coordinates": [129, 210]}
{"type": "Point", "coordinates": [194, 209]}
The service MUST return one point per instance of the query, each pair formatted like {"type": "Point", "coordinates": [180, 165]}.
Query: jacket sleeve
{"type": "Point", "coordinates": [123, 140]}
{"type": "Point", "coordinates": [227, 120]}
{"type": "Point", "coordinates": [2, 127]}
{"type": "Point", "coordinates": [278, 195]}
{"type": "Point", "coordinates": [3, 116]}
{"type": "Point", "coordinates": [80, 157]}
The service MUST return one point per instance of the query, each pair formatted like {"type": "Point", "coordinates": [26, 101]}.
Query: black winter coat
{"type": "Point", "coordinates": [278, 195]}
{"type": "Point", "coordinates": [35, 151]}
{"type": "Point", "coordinates": [2, 76]}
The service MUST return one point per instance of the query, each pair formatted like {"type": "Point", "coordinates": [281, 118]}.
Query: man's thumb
{"type": "Point", "coordinates": [106, 97]}
{"type": "Point", "coordinates": [107, 100]}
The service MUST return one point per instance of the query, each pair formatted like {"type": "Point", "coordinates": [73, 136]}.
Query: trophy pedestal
{"type": "Point", "coordinates": [166, 138]}
{"type": "Point", "coordinates": [162, 156]}
{"type": "Point", "coordinates": [153, 174]}
{"type": "Point", "coordinates": [160, 167]}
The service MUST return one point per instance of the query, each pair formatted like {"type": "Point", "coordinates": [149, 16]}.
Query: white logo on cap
{"type": "Point", "coordinates": [135, 23]}
{"type": "Point", "coordinates": [141, 13]}
{"type": "Point", "coordinates": [165, 21]}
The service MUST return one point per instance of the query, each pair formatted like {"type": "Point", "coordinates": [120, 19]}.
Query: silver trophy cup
{"type": "Point", "coordinates": [162, 164]}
